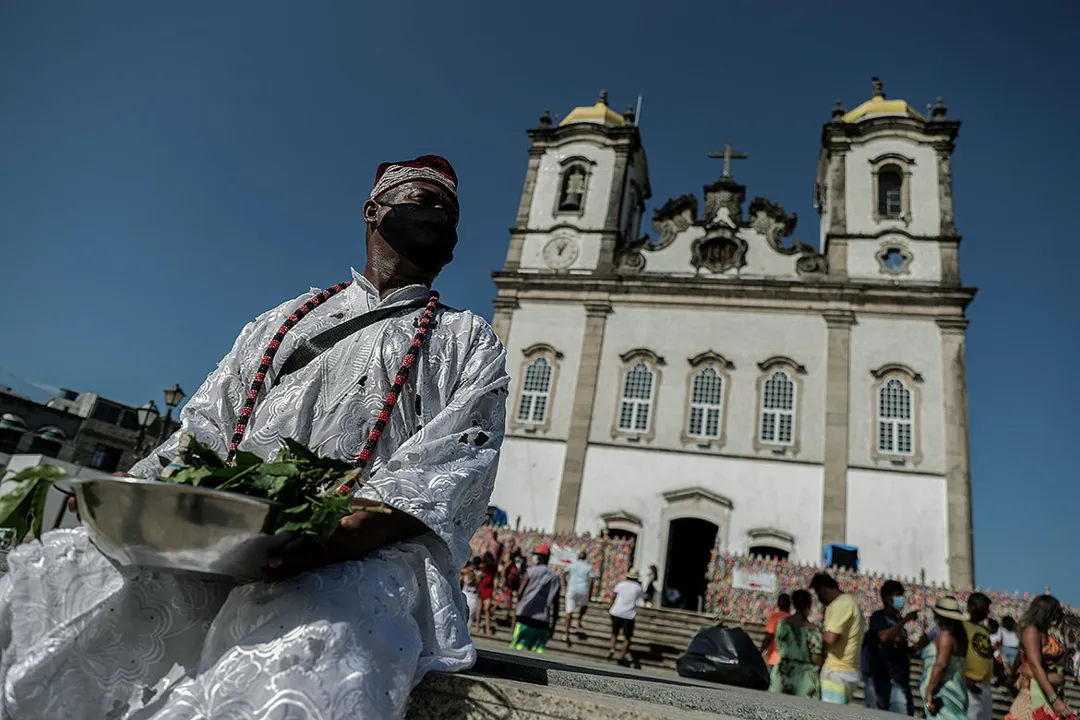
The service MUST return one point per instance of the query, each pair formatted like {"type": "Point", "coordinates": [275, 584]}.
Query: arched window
{"type": "Point", "coordinates": [706, 404]}
{"type": "Point", "coordinates": [636, 402]}
{"type": "Point", "coordinates": [535, 390]}
{"type": "Point", "coordinates": [896, 426]}
{"type": "Point", "coordinates": [572, 190]}
{"type": "Point", "coordinates": [778, 409]}
{"type": "Point", "coordinates": [890, 192]}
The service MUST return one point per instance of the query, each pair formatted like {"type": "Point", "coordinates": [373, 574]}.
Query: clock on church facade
{"type": "Point", "coordinates": [717, 383]}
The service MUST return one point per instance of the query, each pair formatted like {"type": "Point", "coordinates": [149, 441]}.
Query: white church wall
{"type": "Point", "coordinates": [563, 328]}
{"type": "Point", "coordinates": [744, 338]}
{"type": "Point", "coordinates": [923, 183]}
{"type": "Point", "coordinates": [527, 484]}
{"type": "Point", "coordinates": [763, 493]}
{"type": "Point", "coordinates": [898, 522]}
{"type": "Point", "coordinates": [762, 260]}
{"type": "Point", "coordinates": [675, 258]}
{"type": "Point", "coordinates": [876, 342]}
{"type": "Point", "coordinates": [924, 266]}
{"type": "Point", "coordinates": [542, 215]}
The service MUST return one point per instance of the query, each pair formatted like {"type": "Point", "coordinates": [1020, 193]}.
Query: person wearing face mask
{"type": "Point", "coordinates": [887, 654]}
{"type": "Point", "coordinates": [372, 367]}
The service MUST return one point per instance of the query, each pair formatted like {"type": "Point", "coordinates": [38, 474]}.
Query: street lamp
{"type": "Point", "coordinates": [147, 414]}
{"type": "Point", "coordinates": [173, 396]}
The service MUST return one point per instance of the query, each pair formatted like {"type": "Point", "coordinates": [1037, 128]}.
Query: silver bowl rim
{"type": "Point", "coordinates": [193, 489]}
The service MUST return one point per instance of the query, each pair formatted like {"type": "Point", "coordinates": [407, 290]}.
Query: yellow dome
{"type": "Point", "coordinates": [598, 114]}
{"type": "Point", "coordinates": [879, 105]}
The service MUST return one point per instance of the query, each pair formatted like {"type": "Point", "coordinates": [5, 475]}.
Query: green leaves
{"type": "Point", "coordinates": [297, 478]}
{"type": "Point", "coordinates": [22, 508]}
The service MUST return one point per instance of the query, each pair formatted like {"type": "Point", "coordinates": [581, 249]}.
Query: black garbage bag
{"type": "Point", "coordinates": [724, 655]}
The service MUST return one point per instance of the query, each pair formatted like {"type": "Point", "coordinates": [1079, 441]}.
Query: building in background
{"type": "Point", "coordinates": [82, 429]}
{"type": "Point", "coordinates": [725, 385]}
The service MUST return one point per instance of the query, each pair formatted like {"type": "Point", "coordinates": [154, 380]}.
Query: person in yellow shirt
{"type": "Point", "coordinates": [845, 627]}
{"type": "Point", "coordinates": [979, 671]}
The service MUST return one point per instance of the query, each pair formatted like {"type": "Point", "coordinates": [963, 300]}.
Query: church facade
{"type": "Point", "coordinates": [720, 383]}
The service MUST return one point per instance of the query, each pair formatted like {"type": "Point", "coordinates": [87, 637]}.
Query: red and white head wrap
{"type": "Point", "coordinates": [427, 168]}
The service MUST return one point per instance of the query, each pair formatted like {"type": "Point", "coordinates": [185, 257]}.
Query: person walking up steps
{"type": "Point", "coordinates": [579, 584]}
{"type": "Point", "coordinates": [623, 611]}
{"type": "Point", "coordinates": [537, 612]}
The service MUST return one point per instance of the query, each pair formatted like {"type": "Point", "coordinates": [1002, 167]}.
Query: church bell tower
{"type": "Point", "coordinates": [585, 192]}
{"type": "Point", "coordinates": [884, 191]}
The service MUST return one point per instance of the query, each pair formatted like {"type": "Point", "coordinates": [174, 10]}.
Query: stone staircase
{"type": "Point", "coordinates": [661, 635]}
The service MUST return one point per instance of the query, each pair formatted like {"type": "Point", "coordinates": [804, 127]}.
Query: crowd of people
{"type": "Point", "coordinates": [965, 652]}
{"type": "Point", "coordinates": [864, 630]}
{"type": "Point", "coordinates": [520, 577]}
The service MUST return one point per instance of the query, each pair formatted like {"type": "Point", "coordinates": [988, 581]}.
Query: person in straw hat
{"type": "Point", "coordinates": [345, 629]}
{"type": "Point", "coordinates": [943, 688]}
{"type": "Point", "coordinates": [628, 594]}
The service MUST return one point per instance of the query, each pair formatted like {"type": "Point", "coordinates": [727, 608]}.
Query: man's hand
{"type": "Point", "coordinates": [359, 534]}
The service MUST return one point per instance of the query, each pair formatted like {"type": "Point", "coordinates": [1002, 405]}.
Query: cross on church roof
{"type": "Point", "coordinates": [728, 156]}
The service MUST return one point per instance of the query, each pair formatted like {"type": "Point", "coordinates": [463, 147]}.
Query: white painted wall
{"type": "Point", "coordinates": [527, 485]}
{"type": "Point", "coordinates": [675, 258]}
{"type": "Point", "coordinates": [562, 327]}
{"type": "Point", "coordinates": [743, 337]}
{"type": "Point", "coordinates": [783, 495]}
{"type": "Point", "coordinates": [898, 522]}
{"type": "Point", "coordinates": [925, 264]}
{"type": "Point", "coordinates": [859, 187]}
{"type": "Point", "coordinates": [917, 344]}
{"type": "Point", "coordinates": [542, 215]}
{"type": "Point", "coordinates": [762, 260]}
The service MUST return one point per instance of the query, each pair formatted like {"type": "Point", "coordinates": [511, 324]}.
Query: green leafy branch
{"type": "Point", "coordinates": [22, 507]}
{"type": "Point", "coordinates": [302, 482]}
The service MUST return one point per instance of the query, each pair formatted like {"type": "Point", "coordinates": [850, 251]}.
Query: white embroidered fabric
{"type": "Point", "coordinates": [83, 640]}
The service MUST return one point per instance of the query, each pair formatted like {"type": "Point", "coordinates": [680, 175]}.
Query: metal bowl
{"type": "Point", "coordinates": [166, 526]}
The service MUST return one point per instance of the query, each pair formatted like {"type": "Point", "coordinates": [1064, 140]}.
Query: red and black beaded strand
{"type": "Point", "coordinates": [407, 362]}
{"type": "Point", "coordinates": [422, 327]}
{"type": "Point", "coordinates": [268, 359]}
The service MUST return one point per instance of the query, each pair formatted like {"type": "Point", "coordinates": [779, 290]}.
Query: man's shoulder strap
{"type": "Point", "coordinates": [309, 349]}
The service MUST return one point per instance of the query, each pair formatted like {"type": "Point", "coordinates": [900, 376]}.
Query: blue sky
{"type": "Point", "coordinates": [169, 170]}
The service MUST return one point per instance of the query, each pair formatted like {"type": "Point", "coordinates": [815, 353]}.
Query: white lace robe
{"type": "Point", "coordinates": [81, 640]}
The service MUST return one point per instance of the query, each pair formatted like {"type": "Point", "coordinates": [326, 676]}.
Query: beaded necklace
{"type": "Point", "coordinates": [422, 327]}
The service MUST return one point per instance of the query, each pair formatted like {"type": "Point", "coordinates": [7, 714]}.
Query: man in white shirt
{"type": "Point", "coordinates": [579, 582]}
{"type": "Point", "coordinates": [623, 611]}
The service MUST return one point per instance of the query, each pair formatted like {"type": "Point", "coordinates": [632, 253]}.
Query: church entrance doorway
{"type": "Point", "coordinates": [625, 535]}
{"type": "Point", "coordinates": [689, 551]}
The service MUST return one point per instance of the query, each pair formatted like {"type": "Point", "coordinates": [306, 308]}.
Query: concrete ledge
{"type": "Point", "coordinates": [454, 697]}
{"type": "Point", "coordinates": [507, 684]}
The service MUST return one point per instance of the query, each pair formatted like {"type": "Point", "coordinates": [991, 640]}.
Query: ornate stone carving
{"type": "Point", "coordinates": [723, 204]}
{"type": "Point", "coordinates": [771, 220]}
{"type": "Point", "coordinates": [719, 252]}
{"type": "Point", "coordinates": [675, 216]}
{"type": "Point", "coordinates": [815, 264]}
{"type": "Point", "coordinates": [630, 259]}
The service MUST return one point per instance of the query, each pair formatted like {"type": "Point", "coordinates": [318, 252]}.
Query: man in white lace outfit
{"type": "Point", "coordinates": [348, 629]}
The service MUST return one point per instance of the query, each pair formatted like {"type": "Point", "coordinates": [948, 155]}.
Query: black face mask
{"type": "Point", "coordinates": [425, 236]}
